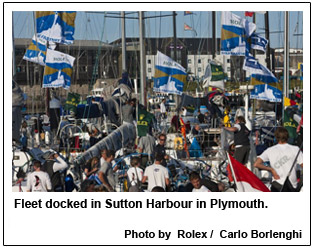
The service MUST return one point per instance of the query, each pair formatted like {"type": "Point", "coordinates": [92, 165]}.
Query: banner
{"type": "Point", "coordinates": [56, 26]}
{"type": "Point", "coordinates": [266, 92]}
{"type": "Point", "coordinates": [36, 52]}
{"type": "Point", "coordinates": [258, 42]}
{"type": "Point", "coordinates": [259, 73]}
{"type": "Point", "coordinates": [72, 102]}
{"type": "Point", "coordinates": [169, 75]}
{"type": "Point", "coordinates": [214, 76]}
{"type": "Point", "coordinates": [58, 70]}
{"type": "Point", "coordinates": [234, 33]}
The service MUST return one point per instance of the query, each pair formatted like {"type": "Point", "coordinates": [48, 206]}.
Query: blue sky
{"type": "Point", "coordinates": [89, 26]}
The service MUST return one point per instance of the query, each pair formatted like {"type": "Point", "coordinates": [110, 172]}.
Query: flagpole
{"type": "Point", "coordinates": [286, 62]}
{"type": "Point", "coordinates": [142, 60]}
{"type": "Point", "coordinates": [231, 166]}
{"type": "Point", "coordinates": [213, 34]}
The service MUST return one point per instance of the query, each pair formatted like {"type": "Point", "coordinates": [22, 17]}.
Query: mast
{"type": "Point", "coordinates": [213, 34]}
{"type": "Point", "coordinates": [142, 61]}
{"type": "Point", "coordinates": [254, 21]}
{"type": "Point", "coordinates": [267, 36]}
{"type": "Point", "coordinates": [176, 97]}
{"type": "Point", "coordinates": [254, 55]}
{"type": "Point", "coordinates": [123, 40]}
{"type": "Point", "coordinates": [286, 61]}
{"type": "Point", "coordinates": [286, 55]}
{"type": "Point", "coordinates": [174, 36]}
{"type": "Point", "coordinates": [13, 55]}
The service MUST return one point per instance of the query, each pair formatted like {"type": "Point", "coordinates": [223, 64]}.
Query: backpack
{"type": "Point", "coordinates": [138, 185]}
{"type": "Point", "coordinates": [55, 177]}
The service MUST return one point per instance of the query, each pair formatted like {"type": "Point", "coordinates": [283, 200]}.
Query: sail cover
{"type": "Point", "coordinates": [119, 138]}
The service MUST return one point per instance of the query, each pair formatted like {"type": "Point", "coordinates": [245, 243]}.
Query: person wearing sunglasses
{"type": "Point", "coordinates": [161, 149]}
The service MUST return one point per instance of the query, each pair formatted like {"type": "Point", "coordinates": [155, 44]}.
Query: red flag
{"type": "Point", "coordinates": [246, 181]}
{"type": "Point", "coordinates": [249, 13]}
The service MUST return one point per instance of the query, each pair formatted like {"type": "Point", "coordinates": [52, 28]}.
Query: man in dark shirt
{"type": "Point", "coordinates": [195, 129]}
{"type": "Point", "coordinates": [160, 148]}
{"type": "Point", "coordinates": [201, 118]}
{"type": "Point", "coordinates": [241, 140]}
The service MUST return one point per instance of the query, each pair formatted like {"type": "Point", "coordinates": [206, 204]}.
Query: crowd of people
{"type": "Point", "coordinates": [149, 170]}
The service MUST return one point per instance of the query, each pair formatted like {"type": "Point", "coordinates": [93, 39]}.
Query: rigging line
{"type": "Point", "coordinates": [297, 25]}
{"type": "Point", "coordinates": [149, 42]}
{"type": "Point", "coordinates": [137, 60]}
{"type": "Point", "coordinates": [201, 43]}
{"type": "Point", "coordinates": [22, 29]}
{"type": "Point", "coordinates": [95, 67]}
{"type": "Point", "coordinates": [112, 62]}
{"type": "Point", "coordinates": [158, 48]}
{"type": "Point", "coordinates": [17, 21]}
{"type": "Point", "coordinates": [280, 27]}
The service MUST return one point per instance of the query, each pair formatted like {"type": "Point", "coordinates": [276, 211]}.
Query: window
{"type": "Point", "coordinates": [199, 69]}
{"type": "Point", "coordinates": [199, 61]}
{"type": "Point", "coordinates": [149, 69]}
{"type": "Point", "coordinates": [149, 61]}
{"type": "Point", "coordinates": [229, 69]}
{"type": "Point", "coordinates": [228, 61]}
{"type": "Point", "coordinates": [189, 61]}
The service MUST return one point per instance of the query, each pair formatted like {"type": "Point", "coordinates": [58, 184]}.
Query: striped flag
{"type": "Point", "coordinates": [266, 92]}
{"type": "Point", "coordinates": [258, 42]}
{"type": "Point", "coordinates": [259, 73]}
{"type": "Point", "coordinates": [289, 102]}
{"type": "Point", "coordinates": [56, 26]}
{"type": "Point", "coordinates": [234, 32]}
{"type": "Point", "coordinates": [36, 52]}
{"type": "Point", "coordinates": [244, 179]}
{"type": "Point", "coordinates": [170, 76]}
{"type": "Point", "coordinates": [58, 70]}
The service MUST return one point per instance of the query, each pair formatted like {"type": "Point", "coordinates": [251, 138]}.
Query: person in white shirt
{"type": "Point", "coordinates": [281, 158]}
{"type": "Point", "coordinates": [196, 182]}
{"type": "Point", "coordinates": [38, 181]}
{"type": "Point", "coordinates": [135, 174]}
{"type": "Point", "coordinates": [163, 108]}
{"type": "Point", "coordinates": [156, 174]}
